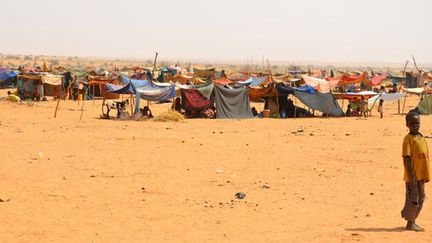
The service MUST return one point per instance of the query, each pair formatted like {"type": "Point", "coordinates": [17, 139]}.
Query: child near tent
{"type": "Point", "coordinates": [415, 155]}
{"type": "Point", "coordinates": [380, 107]}
{"type": "Point", "coordinates": [363, 107]}
{"type": "Point", "coordinates": [348, 111]}
{"type": "Point", "coordinates": [177, 105]}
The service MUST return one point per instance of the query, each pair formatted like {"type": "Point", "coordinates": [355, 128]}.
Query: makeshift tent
{"type": "Point", "coordinates": [376, 80]}
{"type": "Point", "coordinates": [353, 79]}
{"type": "Point", "coordinates": [126, 89]}
{"type": "Point", "coordinates": [232, 103]}
{"type": "Point", "coordinates": [355, 96]}
{"type": "Point", "coordinates": [7, 78]}
{"type": "Point", "coordinates": [321, 85]}
{"type": "Point", "coordinates": [154, 92]}
{"type": "Point", "coordinates": [182, 79]}
{"type": "Point", "coordinates": [386, 97]}
{"type": "Point", "coordinates": [324, 102]}
{"type": "Point", "coordinates": [223, 81]}
{"type": "Point", "coordinates": [253, 82]}
{"type": "Point", "coordinates": [238, 76]}
{"type": "Point", "coordinates": [193, 100]}
{"type": "Point", "coordinates": [425, 105]}
{"type": "Point", "coordinates": [97, 86]}
{"type": "Point", "coordinates": [204, 73]}
{"type": "Point", "coordinates": [269, 91]}
{"type": "Point", "coordinates": [52, 84]}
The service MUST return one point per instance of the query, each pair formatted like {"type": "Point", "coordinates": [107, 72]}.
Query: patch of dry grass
{"type": "Point", "coordinates": [169, 116]}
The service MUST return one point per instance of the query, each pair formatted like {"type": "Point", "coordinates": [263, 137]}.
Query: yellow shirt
{"type": "Point", "coordinates": [416, 148]}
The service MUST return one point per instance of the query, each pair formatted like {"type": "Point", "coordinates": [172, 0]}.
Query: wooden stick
{"type": "Point", "coordinates": [154, 63]}
{"type": "Point", "coordinates": [400, 87]}
{"type": "Point", "coordinates": [415, 64]}
{"type": "Point", "coordinates": [57, 106]}
{"type": "Point", "coordinates": [82, 108]}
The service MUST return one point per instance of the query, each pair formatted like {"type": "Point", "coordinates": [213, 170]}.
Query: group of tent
{"type": "Point", "coordinates": [230, 94]}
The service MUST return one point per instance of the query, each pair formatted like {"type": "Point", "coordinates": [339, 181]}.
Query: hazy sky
{"type": "Point", "coordinates": [307, 30]}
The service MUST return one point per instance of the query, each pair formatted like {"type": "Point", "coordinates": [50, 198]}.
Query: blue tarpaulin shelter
{"type": "Point", "coordinates": [253, 82]}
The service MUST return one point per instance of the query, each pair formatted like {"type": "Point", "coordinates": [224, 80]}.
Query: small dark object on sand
{"type": "Point", "coordinates": [240, 195]}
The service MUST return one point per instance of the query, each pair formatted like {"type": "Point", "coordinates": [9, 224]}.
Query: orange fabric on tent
{"type": "Point", "coordinates": [352, 97]}
{"type": "Point", "coordinates": [223, 81]}
{"type": "Point", "coordinates": [345, 79]}
{"type": "Point", "coordinates": [255, 93]}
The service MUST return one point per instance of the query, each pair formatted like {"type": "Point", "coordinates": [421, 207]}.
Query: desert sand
{"type": "Point", "coordinates": [305, 180]}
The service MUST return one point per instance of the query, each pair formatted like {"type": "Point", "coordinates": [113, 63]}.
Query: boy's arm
{"type": "Point", "coordinates": [409, 167]}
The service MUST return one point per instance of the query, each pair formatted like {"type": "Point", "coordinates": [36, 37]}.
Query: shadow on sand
{"type": "Point", "coordinates": [395, 229]}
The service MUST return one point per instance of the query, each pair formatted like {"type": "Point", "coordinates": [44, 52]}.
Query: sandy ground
{"type": "Point", "coordinates": [65, 180]}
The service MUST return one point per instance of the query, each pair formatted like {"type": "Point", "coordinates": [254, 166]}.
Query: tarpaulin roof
{"type": "Point", "coordinates": [232, 103]}
{"type": "Point", "coordinates": [255, 93]}
{"type": "Point", "coordinates": [355, 96]}
{"type": "Point", "coordinates": [136, 82]}
{"type": "Point", "coordinates": [378, 79]}
{"type": "Point", "coordinates": [386, 97]}
{"type": "Point", "coordinates": [223, 81]}
{"type": "Point", "coordinates": [321, 85]}
{"type": "Point", "coordinates": [155, 92]}
{"type": "Point", "coordinates": [193, 100]}
{"type": "Point", "coordinates": [324, 102]}
{"type": "Point", "coordinates": [118, 89]}
{"type": "Point", "coordinates": [253, 82]}
{"type": "Point", "coordinates": [6, 74]}
{"type": "Point", "coordinates": [353, 79]}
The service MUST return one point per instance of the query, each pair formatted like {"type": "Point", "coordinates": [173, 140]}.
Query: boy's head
{"type": "Point", "coordinates": [412, 119]}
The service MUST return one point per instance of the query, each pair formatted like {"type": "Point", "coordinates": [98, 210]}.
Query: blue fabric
{"type": "Point", "coordinates": [306, 88]}
{"type": "Point", "coordinates": [155, 92]}
{"type": "Point", "coordinates": [7, 75]}
{"type": "Point", "coordinates": [284, 90]}
{"type": "Point", "coordinates": [253, 82]}
{"type": "Point", "coordinates": [136, 82]}
{"type": "Point", "coordinates": [118, 89]}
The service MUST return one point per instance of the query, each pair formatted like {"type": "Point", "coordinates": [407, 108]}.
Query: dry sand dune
{"type": "Point", "coordinates": [305, 180]}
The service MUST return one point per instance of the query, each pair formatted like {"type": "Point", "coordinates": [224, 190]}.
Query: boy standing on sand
{"type": "Point", "coordinates": [415, 155]}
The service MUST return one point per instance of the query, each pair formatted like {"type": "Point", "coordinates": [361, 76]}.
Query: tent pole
{"type": "Point", "coordinates": [82, 108]}
{"type": "Point", "coordinates": [398, 107]}
{"type": "Point", "coordinates": [103, 104]}
{"type": "Point", "coordinates": [131, 105]}
{"type": "Point", "coordinates": [93, 96]}
{"type": "Point", "coordinates": [295, 107]}
{"type": "Point", "coordinates": [57, 106]}
{"type": "Point", "coordinates": [403, 107]}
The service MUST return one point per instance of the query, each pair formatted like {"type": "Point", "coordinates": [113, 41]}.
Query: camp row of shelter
{"type": "Point", "coordinates": [230, 93]}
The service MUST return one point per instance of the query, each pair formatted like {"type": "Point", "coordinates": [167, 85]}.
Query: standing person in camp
{"type": "Point", "coordinates": [380, 107]}
{"type": "Point", "coordinates": [415, 153]}
{"type": "Point", "coordinates": [363, 107]}
{"type": "Point", "coordinates": [75, 88]}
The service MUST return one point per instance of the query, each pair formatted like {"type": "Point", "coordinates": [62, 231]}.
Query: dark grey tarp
{"type": "Point", "coordinates": [324, 102]}
{"type": "Point", "coordinates": [232, 103]}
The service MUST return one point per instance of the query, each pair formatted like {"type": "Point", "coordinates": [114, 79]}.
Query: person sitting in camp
{"type": "Point", "coordinates": [13, 97]}
{"type": "Point", "coordinates": [208, 113]}
{"type": "Point", "coordinates": [356, 112]}
{"type": "Point", "coordinates": [177, 105]}
{"type": "Point", "coordinates": [348, 111]}
{"type": "Point", "coordinates": [146, 112]}
{"type": "Point", "coordinates": [254, 112]}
